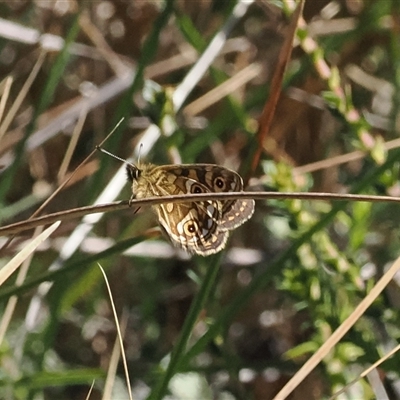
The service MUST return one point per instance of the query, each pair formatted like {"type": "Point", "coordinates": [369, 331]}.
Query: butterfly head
{"type": "Point", "coordinates": [133, 172]}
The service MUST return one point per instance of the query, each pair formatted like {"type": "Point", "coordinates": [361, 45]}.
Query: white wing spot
{"type": "Point", "coordinates": [210, 210]}
{"type": "Point", "coordinates": [188, 185]}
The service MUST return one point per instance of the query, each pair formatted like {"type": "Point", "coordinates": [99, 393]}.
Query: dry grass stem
{"type": "Point", "coordinates": [12, 265]}
{"type": "Point", "coordinates": [22, 94]}
{"type": "Point", "coordinates": [150, 201]}
{"type": "Point", "coordinates": [71, 148]}
{"type": "Point", "coordinates": [120, 329]}
{"type": "Point", "coordinates": [12, 301]}
{"type": "Point", "coordinates": [229, 86]}
{"type": "Point", "coordinates": [5, 86]}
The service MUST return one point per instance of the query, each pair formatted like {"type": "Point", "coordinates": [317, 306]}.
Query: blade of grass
{"type": "Point", "coordinates": [180, 347]}
{"type": "Point", "coordinates": [63, 378]}
{"type": "Point", "coordinates": [12, 265]}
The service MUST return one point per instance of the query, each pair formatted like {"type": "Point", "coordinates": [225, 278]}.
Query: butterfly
{"type": "Point", "coordinates": [200, 227]}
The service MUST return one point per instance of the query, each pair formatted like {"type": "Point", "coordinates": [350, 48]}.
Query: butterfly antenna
{"type": "Point", "coordinates": [139, 153]}
{"type": "Point", "coordinates": [113, 156]}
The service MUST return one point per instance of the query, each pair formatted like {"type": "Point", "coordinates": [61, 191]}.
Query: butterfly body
{"type": "Point", "coordinates": [200, 227]}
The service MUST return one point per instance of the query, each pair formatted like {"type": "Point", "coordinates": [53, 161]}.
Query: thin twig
{"type": "Point", "coordinates": [183, 198]}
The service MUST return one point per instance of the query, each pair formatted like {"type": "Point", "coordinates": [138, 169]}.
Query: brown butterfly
{"type": "Point", "coordinates": [200, 227]}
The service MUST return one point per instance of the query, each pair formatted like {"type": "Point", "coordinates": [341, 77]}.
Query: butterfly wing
{"type": "Point", "coordinates": [191, 226]}
{"type": "Point", "coordinates": [220, 180]}
{"type": "Point", "coordinates": [238, 213]}
{"type": "Point", "coordinates": [234, 212]}
{"type": "Point", "coordinates": [199, 227]}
